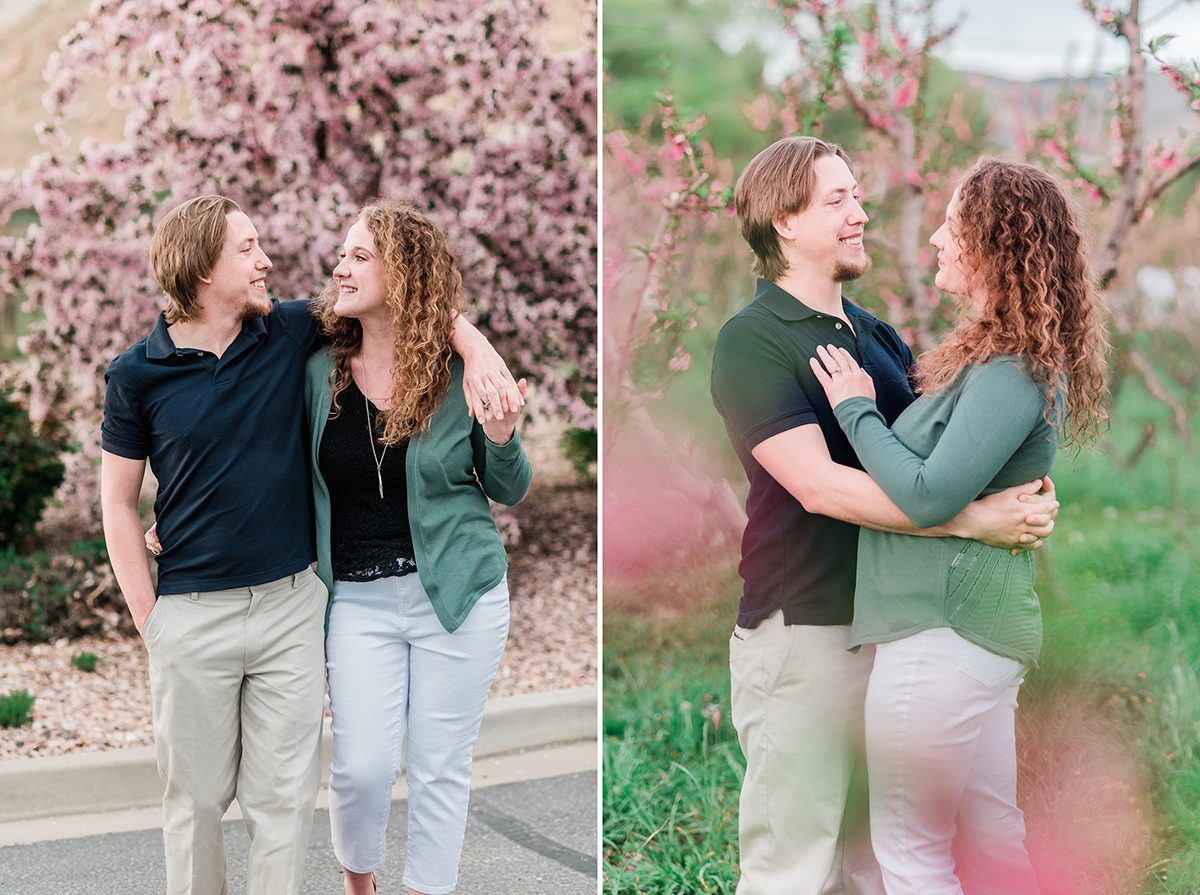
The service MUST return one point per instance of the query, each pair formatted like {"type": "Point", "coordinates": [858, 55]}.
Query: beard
{"type": "Point", "coordinates": [255, 308]}
{"type": "Point", "coordinates": [844, 273]}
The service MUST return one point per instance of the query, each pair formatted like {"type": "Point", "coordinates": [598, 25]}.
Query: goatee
{"type": "Point", "coordinates": [844, 273]}
{"type": "Point", "coordinates": [252, 310]}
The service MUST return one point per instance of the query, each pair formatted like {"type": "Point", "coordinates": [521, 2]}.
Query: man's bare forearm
{"type": "Point", "coordinates": [799, 461]}
{"type": "Point", "coordinates": [852, 496]}
{"type": "Point", "coordinates": [120, 486]}
{"type": "Point", "coordinates": [465, 337]}
{"type": "Point", "coordinates": [127, 553]}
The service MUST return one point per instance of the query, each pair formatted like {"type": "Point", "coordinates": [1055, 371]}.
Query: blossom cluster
{"type": "Point", "coordinates": [301, 111]}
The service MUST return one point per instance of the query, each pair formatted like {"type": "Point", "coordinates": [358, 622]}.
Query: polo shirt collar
{"type": "Point", "coordinates": [783, 304]}
{"type": "Point", "coordinates": [160, 345]}
{"type": "Point", "coordinates": [780, 302]}
{"type": "Point", "coordinates": [864, 321]}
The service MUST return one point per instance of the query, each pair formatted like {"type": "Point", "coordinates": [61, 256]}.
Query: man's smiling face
{"type": "Point", "coordinates": [240, 275]}
{"type": "Point", "coordinates": [827, 236]}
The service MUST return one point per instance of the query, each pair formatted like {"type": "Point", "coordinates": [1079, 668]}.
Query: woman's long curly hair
{"type": "Point", "coordinates": [1021, 245]}
{"type": "Point", "coordinates": [424, 294]}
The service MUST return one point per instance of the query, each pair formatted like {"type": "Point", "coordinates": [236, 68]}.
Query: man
{"type": "Point", "coordinates": [797, 693]}
{"type": "Point", "coordinates": [213, 397]}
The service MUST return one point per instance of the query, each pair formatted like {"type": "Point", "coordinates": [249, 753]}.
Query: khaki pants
{"type": "Point", "coordinates": [797, 704]}
{"type": "Point", "coordinates": [237, 678]}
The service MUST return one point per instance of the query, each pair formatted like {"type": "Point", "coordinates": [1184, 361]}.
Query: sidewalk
{"type": "Point", "coordinates": [87, 793]}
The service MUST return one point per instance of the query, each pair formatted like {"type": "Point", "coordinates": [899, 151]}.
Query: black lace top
{"type": "Point", "coordinates": [371, 536]}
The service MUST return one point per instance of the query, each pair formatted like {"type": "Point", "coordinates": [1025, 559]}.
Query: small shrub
{"type": "Point", "coordinates": [579, 446]}
{"type": "Point", "coordinates": [36, 597]}
{"type": "Point", "coordinates": [16, 709]}
{"type": "Point", "coordinates": [66, 593]}
{"type": "Point", "coordinates": [30, 471]}
{"type": "Point", "coordinates": [84, 661]}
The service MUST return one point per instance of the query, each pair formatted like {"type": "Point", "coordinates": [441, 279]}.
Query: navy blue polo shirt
{"type": "Point", "coordinates": [762, 385]}
{"type": "Point", "coordinates": [226, 439]}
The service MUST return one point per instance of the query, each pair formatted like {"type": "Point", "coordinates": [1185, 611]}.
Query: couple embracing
{"type": "Point", "coordinates": [356, 537]}
{"type": "Point", "coordinates": [888, 610]}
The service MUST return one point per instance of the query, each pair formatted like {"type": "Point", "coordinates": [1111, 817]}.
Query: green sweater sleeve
{"type": "Point", "coordinates": [503, 470]}
{"type": "Point", "coordinates": [997, 407]}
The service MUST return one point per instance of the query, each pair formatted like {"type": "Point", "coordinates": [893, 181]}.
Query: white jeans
{"type": "Point", "coordinates": [393, 669]}
{"type": "Point", "coordinates": [797, 704]}
{"type": "Point", "coordinates": [942, 762]}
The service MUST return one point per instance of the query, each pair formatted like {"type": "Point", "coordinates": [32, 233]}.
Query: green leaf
{"type": "Point", "coordinates": [1159, 42]}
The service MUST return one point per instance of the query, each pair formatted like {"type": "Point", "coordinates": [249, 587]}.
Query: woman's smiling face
{"type": "Point", "coordinates": [362, 283]}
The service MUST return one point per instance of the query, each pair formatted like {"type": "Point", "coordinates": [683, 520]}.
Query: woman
{"type": "Point", "coordinates": [956, 623]}
{"type": "Point", "coordinates": [406, 543]}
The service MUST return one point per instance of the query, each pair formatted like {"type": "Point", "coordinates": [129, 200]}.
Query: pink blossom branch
{"type": "Point", "coordinates": [1163, 183]}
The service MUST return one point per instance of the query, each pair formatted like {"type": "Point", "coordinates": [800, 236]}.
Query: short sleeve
{"type": "Point", "coordinates": [910, 362]}
{"type": "Point", "coordinates": [755, 384]}
{"type": "Point", "coordinates": [124, 430]}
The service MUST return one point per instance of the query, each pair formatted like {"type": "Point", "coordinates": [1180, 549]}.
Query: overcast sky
{"type": "Point", "coordinates": [1014, 39]}
{"type": "Point", "coordinates": [1029, 39]}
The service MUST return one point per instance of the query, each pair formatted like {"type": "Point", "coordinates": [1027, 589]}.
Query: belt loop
{"type": "Point", "coordinates": [194, 595]}
{"type": "Point", "coordinates": [294, 577]}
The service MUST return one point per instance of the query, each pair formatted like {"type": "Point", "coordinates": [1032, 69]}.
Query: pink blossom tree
{"type": "Point", "coordinates": [876, 61]}
{"type": "Point", "coordinates": [301, 110]}
{"type": "Point", "coordinates": [1127, 182]}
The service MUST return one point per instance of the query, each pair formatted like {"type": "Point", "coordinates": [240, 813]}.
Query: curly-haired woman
{"type": "Point", "coordinates": [406, 543]}
{"type": "Point", "coordinates": [956, 623]}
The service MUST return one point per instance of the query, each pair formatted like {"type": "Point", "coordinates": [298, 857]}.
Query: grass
{"type": "Point", "coordinates": [672, 766]}
{"type": "Point", "coordinates": [1109, 726]}
{"type": "Point", "coordinates": [16, 709]}
{"type": "Point", "coordinates": [84, 661]}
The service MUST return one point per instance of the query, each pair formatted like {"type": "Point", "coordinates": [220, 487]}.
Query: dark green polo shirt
{"type": "Point", "coordinates": [762, 385]}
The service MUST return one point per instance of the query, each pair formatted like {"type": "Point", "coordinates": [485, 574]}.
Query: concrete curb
{"type": "Point", "coordinates": [92, 782]}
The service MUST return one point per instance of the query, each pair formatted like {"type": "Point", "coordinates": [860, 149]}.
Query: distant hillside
{"type": "Point", "coordinates": [1166, 109]}
{"type": "Point", "coordinates": [29, 33]}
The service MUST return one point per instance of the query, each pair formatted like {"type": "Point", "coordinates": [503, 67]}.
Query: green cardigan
{"type": "Point", "coordinates": [452, 470]}
{"type": "Point", "coordinates": [982, 433]}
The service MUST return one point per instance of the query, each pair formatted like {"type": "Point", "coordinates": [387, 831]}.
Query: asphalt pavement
{"type": "Point", "coordinates": [533, 836]}
{"type": "Point", "coordinates": [90, 823]}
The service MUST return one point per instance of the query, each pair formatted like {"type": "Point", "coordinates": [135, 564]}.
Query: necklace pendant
{"type": "Point", "coordinates": [378, 458]}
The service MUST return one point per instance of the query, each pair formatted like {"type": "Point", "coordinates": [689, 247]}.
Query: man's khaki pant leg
{"type": "Point", "coordinates": [229, 675]}
{"type": "Point", "coordinates": [797, 705]}
{"type": "Point", "coordinates": [282, 702]}
{"type": "Point", "coordinates": [196, 652]}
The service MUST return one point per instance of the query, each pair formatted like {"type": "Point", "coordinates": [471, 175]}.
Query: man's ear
{"type": "Point", "coordinates": [785, 226]}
